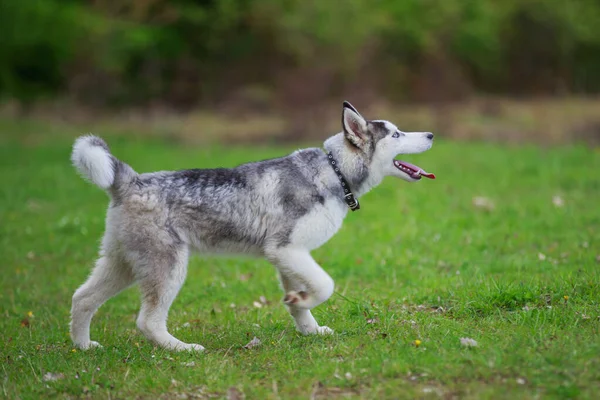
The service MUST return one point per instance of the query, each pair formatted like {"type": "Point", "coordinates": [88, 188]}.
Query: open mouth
{"type": "Point", "coordinates": [412, 170]}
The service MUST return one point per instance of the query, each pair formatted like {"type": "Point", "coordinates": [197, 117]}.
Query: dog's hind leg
{"type": "Point", "coordinates": [160, 279]}
{"type": "Point", "coordinates": [306, 286]}
{"type": "Point", "coordinates": [109, 277]}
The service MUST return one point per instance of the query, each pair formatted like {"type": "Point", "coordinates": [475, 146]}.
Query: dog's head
{"type": "Point", "coordinates": [381, 141]}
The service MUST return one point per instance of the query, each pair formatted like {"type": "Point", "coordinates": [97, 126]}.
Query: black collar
{"type": "Point", "coordinates": [348, 196]}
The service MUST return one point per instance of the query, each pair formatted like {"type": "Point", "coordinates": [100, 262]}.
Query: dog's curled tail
{"type": "Point", "coordinates": [92, 158]}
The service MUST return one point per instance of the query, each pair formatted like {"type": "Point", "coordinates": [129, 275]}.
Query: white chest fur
{"type": "Point", "coordinates": [318, 226]}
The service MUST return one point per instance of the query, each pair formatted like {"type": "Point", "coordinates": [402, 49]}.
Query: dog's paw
{"type": "Point", "coordinates": [319, 330]}
{"type": "Point", "coordinates": [324, 330]}
{"type": "Point", "coordinates": [294, 297]}
{"type": "Point", "coordinates": [89, 345]}
{"type": "Point", "coordinates": [191, 347]}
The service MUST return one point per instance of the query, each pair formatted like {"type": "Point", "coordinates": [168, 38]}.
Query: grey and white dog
{"type": "Point", "coordinates": [280, 209]}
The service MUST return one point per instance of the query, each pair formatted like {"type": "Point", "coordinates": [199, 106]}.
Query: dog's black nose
{"type": "Point", "coordinates": [430, 136]}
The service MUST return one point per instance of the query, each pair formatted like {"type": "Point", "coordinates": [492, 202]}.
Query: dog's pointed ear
{"type": "Point", "coordinates": [355, 126]}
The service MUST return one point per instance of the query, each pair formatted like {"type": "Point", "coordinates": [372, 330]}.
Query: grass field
{"type": "Point", "coordinates": [503, 248]}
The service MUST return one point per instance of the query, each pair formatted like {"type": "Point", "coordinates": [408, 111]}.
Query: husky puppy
{"type": "Point", "coordinates": [280, 209]}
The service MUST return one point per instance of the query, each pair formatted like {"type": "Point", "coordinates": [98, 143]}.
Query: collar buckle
{"type": "Point", "coordinates": [352, 202]}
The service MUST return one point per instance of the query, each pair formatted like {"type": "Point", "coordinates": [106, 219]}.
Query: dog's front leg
{"type": "Point", "coordinates": [306, 285]}
{"type": "Point", "coordinates": [303, 318]}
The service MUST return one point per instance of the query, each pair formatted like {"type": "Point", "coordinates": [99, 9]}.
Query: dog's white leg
{"type": "Point", "coordinates": [306, 286]}
{"type": "Point", "coordinates": [160, 285]}
{"type": "Point", "coordinates": [303, 318]}
{"type": "Point", "coordinates": [108, 278]}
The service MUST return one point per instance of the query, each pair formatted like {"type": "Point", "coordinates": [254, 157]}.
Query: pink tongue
{"type": "Point", "coordinates": [417, 169]}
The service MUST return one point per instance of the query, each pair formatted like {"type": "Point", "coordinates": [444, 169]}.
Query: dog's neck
{"type": "Point", "coordinates": [353, 165]}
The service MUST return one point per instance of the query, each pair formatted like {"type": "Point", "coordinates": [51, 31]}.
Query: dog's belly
{"type": "Point", "coordinates": [319, 225]}
{"type": "Point", "coordinates": [225, 247]}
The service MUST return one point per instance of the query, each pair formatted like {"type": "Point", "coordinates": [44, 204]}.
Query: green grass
{"type": "Point", "coordinates": [417, 262]}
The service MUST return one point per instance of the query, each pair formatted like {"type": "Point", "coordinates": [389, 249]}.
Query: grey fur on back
{"type": "Point", "coordinates": [242, 209]}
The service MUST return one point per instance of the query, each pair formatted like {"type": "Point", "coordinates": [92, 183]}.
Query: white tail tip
{"type": "Point", "coordinates": [92, 159]}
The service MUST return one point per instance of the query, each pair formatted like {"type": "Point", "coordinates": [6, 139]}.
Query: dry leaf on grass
{"type": "Point", "coordinates": [262, 301]}
{"type": "Point", "coordinates": [558, 201]}
{"type": "Point", "coordinates": [51, 377]}
{"type": "Point", "coordinates": [255, 342]}
{"type": "Point", "coordinates": [468, 342]}
{"type": "Point", "coordinates": [483, 203]}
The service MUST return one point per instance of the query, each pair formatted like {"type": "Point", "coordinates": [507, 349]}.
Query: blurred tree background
{"type": "Point", "coordinates": [287, 55]}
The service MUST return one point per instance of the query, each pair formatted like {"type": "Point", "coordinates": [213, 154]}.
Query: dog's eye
{"type": "Point", "coordinates": [396, 134]}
